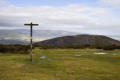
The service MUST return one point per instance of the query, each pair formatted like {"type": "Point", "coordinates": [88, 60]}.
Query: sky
{"type": "Point", "coordinates": [82, 16]}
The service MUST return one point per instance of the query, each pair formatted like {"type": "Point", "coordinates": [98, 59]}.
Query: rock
{"type": "Point", "coordinates": [77, 55]}
{"type": "Point", "coordinates": [101, 53]}
{"type": "Point", "coordinates": [42, 57]}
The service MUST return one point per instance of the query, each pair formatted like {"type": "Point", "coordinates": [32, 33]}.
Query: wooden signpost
{"type": "Point", "coordinates": [31, 32]}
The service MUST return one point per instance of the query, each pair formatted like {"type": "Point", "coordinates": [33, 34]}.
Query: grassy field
{"type": "Point", "coordinates": [61, 64]}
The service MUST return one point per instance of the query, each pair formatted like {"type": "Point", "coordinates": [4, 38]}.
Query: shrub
{"type": "Point", "coordinates": [14, 49]}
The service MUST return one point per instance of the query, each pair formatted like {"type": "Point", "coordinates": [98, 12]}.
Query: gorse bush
{"type": "Point", "coordinates": [107, 47]}
{"type": "Point", "coordinates": [24, 49]}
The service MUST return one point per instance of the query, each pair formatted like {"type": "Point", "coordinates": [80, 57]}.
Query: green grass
{"type": "Point", "coordinates": [61, 64]}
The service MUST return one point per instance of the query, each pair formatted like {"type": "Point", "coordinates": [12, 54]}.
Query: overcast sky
{"type": "Point", "coordinates": [83, 16]}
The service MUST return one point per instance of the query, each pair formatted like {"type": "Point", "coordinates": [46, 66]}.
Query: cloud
{"type": "Point", "coordinates": [113, 3]}
{"type": "Point", "coordinates": [72, 17]}
{"type": "Point", "coordinates": [46, 15]}
{"type": "Point", "coordinates": [2, 2]}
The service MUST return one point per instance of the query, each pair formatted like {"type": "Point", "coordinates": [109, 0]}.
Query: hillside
{"type": "Point", "coordinates": [61, 64]}
{"type": "Point", "coordinates": [97, 41]}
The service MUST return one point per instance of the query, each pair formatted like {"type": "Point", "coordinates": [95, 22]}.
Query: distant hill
{"type": "Point", "coordinates": [78, 41]}
{"type": "Point", "coordinates": [2, 41]}
{"type": "Point", "coordinates": [38, 35]}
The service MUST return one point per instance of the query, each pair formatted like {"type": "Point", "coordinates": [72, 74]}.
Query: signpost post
{"type": "Point", "coordinates": [31, 32]}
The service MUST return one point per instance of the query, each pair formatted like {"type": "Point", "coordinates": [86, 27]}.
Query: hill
{"type": "Point", "coordinates": [3, 41]}
{"type": "Point", "coordinates": [81, 41]}
{"type": "Point", "coordinates": [21, 36]}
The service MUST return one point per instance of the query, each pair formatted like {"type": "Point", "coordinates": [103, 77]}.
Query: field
{"type": "Point", "coordinates": [61, 64]}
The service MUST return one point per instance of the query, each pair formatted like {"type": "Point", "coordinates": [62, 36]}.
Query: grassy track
{"type": "Point", "coordinates": [61, 64]}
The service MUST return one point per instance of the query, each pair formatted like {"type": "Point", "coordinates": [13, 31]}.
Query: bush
{"type": "Point", "coordinates": [14, 49]}
{"type": "Point", "coordinates": [108, 47]}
